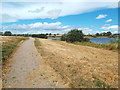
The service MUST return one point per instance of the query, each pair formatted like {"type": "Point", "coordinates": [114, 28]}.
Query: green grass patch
{"type": "Point", "coordinates": [101, 84]}
{"type": "Point", "coordinates": [111, 46]}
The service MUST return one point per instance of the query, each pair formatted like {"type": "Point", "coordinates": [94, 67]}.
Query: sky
{"type": "Point", "coordinates": [59, 16]}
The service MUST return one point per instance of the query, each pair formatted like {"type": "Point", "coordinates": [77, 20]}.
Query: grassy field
{"type": "Point", "coordinates": [9, 44]}
{"type": "Point", "coordinates": [80, 66]}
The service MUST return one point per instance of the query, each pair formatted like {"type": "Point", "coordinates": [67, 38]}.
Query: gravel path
{"type": "Point", "coordinates": [25, 61]}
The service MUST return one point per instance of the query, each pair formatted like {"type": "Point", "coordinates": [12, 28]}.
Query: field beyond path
{"type": "Point", "coordinates": [80, 66]}
{"type": "Point", "coordinates": [28, 71]}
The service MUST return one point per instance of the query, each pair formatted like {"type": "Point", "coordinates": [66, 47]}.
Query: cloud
{"type": "Point", "coordinates": [52, 10]}
{"type": "Point", "coordinates": [109, 20]}
{"type": "Point", "coordinates": [113, 27]}
{"type": "Point", "coordinates": [59, 0]}
{"type": "Point", "coordinates": [101, 16]}
{"type": "Point", "coordinates": [37, 28]}
{"type": "Point", "coordinates": [36, 10]}
{"type": "Point", "coordinates": [87, 30]}
{"type": "Point", "coordinates": [8, 18]}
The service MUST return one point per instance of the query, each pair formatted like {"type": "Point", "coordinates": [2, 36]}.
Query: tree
{"type": "Point", "coordinates": [73, 36]}
{"type": "Point", "coordinates": [46, 33]}
{"type": "Point", "coordinates": [54, 35]}
{"type": "Point", "coordinates": [108, 33]}
{"type": "Point", "coordinates": [7, 33]}
{"type": "Point", "coordinates": [97, 34]}
{"type": "Point", "coordinates": [50, 34]}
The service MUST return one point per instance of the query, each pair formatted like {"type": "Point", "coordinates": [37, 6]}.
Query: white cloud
{"type": "Point", "coordinates": [45, 9]}
{"type": "Point", "coordinates": [59, 0]}
{"type": "Point", "coordinates": [109, 20]}
{"type": "Point", "coordinates": [87, 30]}
{"type": "Point", "coordinates": [101, 16]}
{"type": "Point", "coordinates": [113, 27]}
{"type": "Point", "coordinates": [37, 28]}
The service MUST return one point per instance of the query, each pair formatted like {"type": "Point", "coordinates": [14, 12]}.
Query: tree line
{"type": "Point", "coordinates": [8, 33]}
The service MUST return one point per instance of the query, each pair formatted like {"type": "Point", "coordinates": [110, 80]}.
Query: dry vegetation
{"type": "Point", "coordinates": [9, 44]}
{"type": "Point", "coordinates": [80, 66]}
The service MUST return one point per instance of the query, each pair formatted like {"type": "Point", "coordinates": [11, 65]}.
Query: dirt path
{"type": "Point", "coordinates": [25, 63]}
{"type": "Point", "coordinates": [82, 66]}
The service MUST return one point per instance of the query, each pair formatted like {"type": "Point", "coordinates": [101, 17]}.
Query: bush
{"type": "Point", "coordinates": [74, 36]}
{"type": "Point", "coordinates": [64, 37]}
{"type": "Point", "coordinates": [7, 33]}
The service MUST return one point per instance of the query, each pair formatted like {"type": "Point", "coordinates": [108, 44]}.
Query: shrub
{"type": "Point", "coordinates": [7, 33]}
{"type": "Point", "coordinates": [64, 37]}
{"type": "Point", "coordinates": [74, 36]}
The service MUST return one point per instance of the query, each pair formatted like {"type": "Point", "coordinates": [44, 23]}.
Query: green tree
{"type": "Point", "coordinates": [108, 33]}
{"type": "Point", "coordinates": [46, 33]}
{"type": "Point", "coordinates": [97, 34]}
{"type": "Point", "coordinates": [7, 33]}
{"type": "Point", "coordinates": [50, 34]}
{"type": "Point", "coordinates": [73, 36]}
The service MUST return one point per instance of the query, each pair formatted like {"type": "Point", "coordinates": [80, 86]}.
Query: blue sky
{"type": "Point", "coordinates": [59, 17]}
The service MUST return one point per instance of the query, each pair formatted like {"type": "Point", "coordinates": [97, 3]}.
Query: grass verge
{"type": "Point", "coordinates": [9, 45]}
{"type": "Point", "coordinates": [111, 46]}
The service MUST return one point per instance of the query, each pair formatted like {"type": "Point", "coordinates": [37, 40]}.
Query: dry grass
{"type": "Point", "coordinates": [9, 44]}
{"type": "Point", "coordinates": [80, 66]}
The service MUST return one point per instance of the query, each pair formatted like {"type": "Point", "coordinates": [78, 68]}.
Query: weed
{"type": "Point", "coordinates": [98, 82]}
{"type": "Point", "coordinates": [80, 83]}
{"type": "Point", "coordinates": [101, 84]}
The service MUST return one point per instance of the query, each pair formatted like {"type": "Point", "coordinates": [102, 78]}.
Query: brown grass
{"type": "Point", "coordinates": [9, 44]}
{"type": "Point", "coordinates": [80, 66]}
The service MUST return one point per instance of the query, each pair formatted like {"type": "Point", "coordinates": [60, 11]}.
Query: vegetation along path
{"type": "Point", "coordinates": [25, 64]}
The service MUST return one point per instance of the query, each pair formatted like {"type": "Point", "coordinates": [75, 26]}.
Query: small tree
{"type": "Point", "coordinates": [50, 34]}
{"type": "Point", "coordinates": [46, 33]}
{"type": "Point", "coordinates": [97, 34]}
{"type": "Point", "coordinates": [7, 33]}
{"type": "Point", "coordinates": [108, 33]}
{"type": "Point", "coordinates": [73, 36]}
